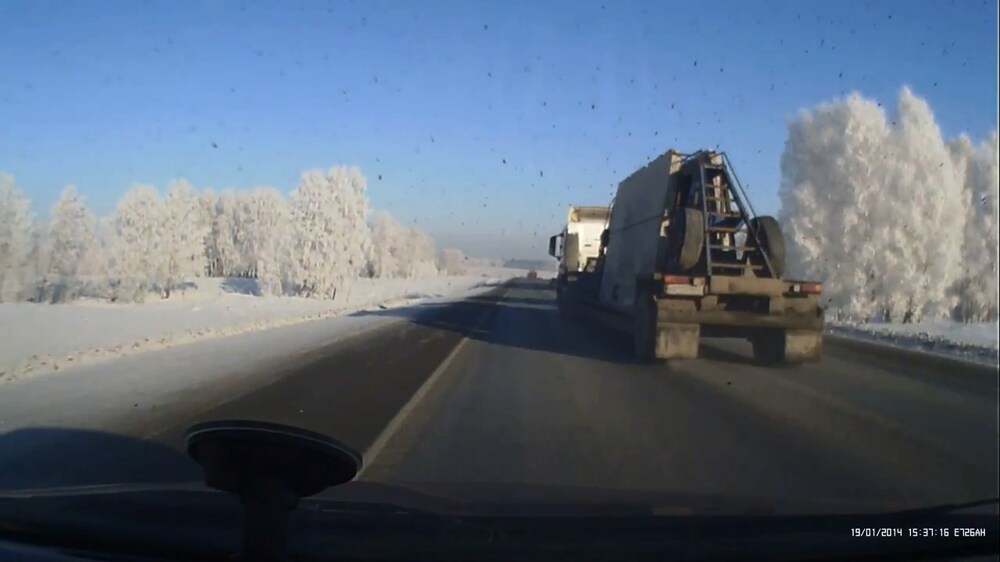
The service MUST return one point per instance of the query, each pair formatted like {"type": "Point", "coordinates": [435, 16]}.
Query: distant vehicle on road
{"type": "Point", "coordinates": [681, 256]}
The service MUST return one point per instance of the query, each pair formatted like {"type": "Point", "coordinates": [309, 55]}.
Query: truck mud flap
{"type": "Point", "coordinates": [787, 346]}
{"type": "Point", "coordinates": [677, 341]}
{"type": "Point", "coordinates": [803, 346]}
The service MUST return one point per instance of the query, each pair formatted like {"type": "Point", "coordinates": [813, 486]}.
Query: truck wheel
{"type": "Point", "coordinates": [687, 237]}
{"type": "Point", "coordinates": [772, 241]}
{"type": "Point", "coordinates": [644, 328]}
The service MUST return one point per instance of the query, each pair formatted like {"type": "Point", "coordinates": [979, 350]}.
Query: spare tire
{"type": "Point", "coordinates": [772, 241]}
{"type": "Point", "coordinates": [686, 240]}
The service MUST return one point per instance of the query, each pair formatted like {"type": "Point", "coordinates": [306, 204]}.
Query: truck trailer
{"type": "Point", "coordinates": [682, 256]}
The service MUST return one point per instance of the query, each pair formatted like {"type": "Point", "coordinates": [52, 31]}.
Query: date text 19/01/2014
{"type": "Point", "coordinates": [917, 532]}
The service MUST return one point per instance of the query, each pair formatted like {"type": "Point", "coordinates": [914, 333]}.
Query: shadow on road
{"type": "Point", "coordinates": [490, 300]}
{"type": "Point", "coordinates": [40, 457]}
{"type": "Point", "coordinates": [708, 351]}
{"type": "Point", "coordinates": [530, 321]}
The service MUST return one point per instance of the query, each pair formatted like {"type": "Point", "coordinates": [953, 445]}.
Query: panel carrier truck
{"type": "Point", "coordinates": [681, 255]}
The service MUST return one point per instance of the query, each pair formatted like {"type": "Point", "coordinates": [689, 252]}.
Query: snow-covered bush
{"type": "Point", "coordinates": [879, 209]}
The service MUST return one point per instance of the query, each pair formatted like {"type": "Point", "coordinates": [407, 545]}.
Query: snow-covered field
{"type": "Point", "coordinates": [44, 338]}
{"type": "Point", "coordinates": [975, 342]}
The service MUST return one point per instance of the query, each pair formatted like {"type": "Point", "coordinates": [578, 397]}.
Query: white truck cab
{"type": "Point", "coordinates": [580, 240]}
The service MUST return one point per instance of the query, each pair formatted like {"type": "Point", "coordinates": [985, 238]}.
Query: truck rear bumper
{"type": "Point", "coordinates": [780, 328]}
{"type": "Point", "coordinates": [742, 311]}
{"type": "Point", "coordinates": [788, 319]}
{"type": "Point", "coordinates": [792, 330]}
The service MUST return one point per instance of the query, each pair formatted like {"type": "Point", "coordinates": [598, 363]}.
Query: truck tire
{"type": "Point", "coordinates": [772, 241]}
{"type": "Point", "coordinates": [687, 237]}
{"type": "Point", "coordinates": [644, 328]}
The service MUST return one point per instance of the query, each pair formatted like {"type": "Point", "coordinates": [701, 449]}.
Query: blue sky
{"type": "Point", "coordinates": [484, 120]}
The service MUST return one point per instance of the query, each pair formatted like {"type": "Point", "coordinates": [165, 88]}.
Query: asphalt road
{"type": "Point", "coordinates": [500, 389]}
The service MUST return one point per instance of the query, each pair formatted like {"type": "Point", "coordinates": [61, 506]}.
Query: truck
{"type": "Point", "coordinates": [578, 246]}
{"type": "Point", "coordinates": [681, 256]}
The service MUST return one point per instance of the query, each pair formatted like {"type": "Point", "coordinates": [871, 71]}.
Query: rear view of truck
{"type": "Point", "coordinates": [578, 249]}
{"type": "Point", "coordinates": [684, 257]}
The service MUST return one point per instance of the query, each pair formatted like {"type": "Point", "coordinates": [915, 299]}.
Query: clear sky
{"type": "Point", "coordinates": [479, 121]}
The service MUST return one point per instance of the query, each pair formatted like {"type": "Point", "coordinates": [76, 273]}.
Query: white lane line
{"type": "Point", "coordinates": [397, 422]}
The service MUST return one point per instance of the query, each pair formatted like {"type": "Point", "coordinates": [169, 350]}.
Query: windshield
{"type": "Point", "coordinates": [337, 216]}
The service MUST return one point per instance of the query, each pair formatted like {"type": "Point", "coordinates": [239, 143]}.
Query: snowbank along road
{"type": "Point", "coordinates": [499, 389]}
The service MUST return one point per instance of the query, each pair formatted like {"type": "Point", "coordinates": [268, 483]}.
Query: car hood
{"type": "Point", "coordinates": [501, 499]}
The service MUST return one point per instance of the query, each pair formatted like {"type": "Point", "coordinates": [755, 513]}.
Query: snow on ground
{"type": "Point", "coordinates": [44, 338]}
{"type": "Point", "coordinates": [140, 388]}
{"type": "Point", "coordinates": [975, 342]}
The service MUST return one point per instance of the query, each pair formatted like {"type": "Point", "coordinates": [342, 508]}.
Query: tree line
{"type": "Point", "coordinates": [899, 222]}
{"type": "Point", "coordinates": [313, 243]}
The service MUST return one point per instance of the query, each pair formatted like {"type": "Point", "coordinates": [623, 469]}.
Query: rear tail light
{"type": "Point", "coordinates": [676, 280]}
{"type": "Point", "coordinates": [812, 288]}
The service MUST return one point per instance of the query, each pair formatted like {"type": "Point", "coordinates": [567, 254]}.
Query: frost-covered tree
{"type": "Point", "coordinates": [266, 237]}
{"type": "Point", "coordinates": [398, 251]}
{"type": "Point", "coordinates": [976, 290]}
{"type": "Point", "coordinates": [209, 203]}
{"type": "Point", "coordinates": [451, 261]}
{"type": "Point", "coordinates": [832, 155]}
{"type": "Point", "coordinates": [183, 235]}
{"type": "Point", "coordinates": [104, 257]}
{"type": "Point", "coordinates": [332, 239]}
{"type": "Point", "coordinates": [931, 217]}
{"type": "Point", "coordinates": [387, 239]}
{"type": "Point", "coordinates": [38, 262]}
{"type": "Point", "coordinates": [71, 246]}
{"type": "Point", "coordinates": [420, 254]}
{"type": "Point", "coordinates": [316, 244]}
{"type": "Point", "coordinates": [245, 236]}
{"type": "Point", "coordinates": [16, 225]}
{"type": "Point", "coordinates": [223, 254]}
{"type": "Point", "coordinates": [140, 260]}
{"type": "Point", "coordinates": [874, 207]}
